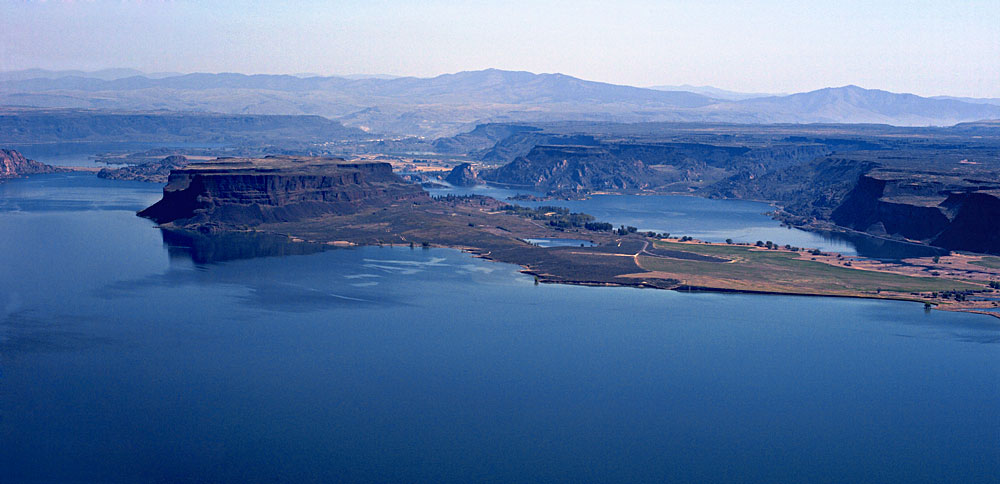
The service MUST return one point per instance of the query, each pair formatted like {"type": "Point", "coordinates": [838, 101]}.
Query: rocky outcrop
{"type": "Point", "coordinates": [808, 190]}
{"type": "Point", "coordinates": [975, 223]}
{"type": "Point", "coordinates": [482, 138]}
{"type": "Point", "coordinates": [929, 208]}
{"type": "Point", "coordinates": [883, 205]}
{"type": "Point", "coordinates": [247, 192]}
{"type": "Point", "coordinates": [574, 168]}
{"type": "Point", "coordinates": [462, 176]}
{"type": "Point", "coordinates": [591, 164]}
{"type": "Point", "coordinates": [154, 172]}
{"type": "Point", "coordinates": [15, 165]}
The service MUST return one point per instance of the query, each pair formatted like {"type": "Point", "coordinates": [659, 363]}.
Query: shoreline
{"type": "Point", "coordinates": [635, 281]}
{"type": "Point", "coordinates": [817, 227]}
{"type": "Point", "coordinates": [543, 279]}
{"type": "Point", "coordinates": [394, 213]}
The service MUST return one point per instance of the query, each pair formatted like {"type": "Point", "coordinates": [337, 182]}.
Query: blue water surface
{"type": "Point", "coordinates": [85, 153]}
{"type": "Point", "coordinates": [130, 355]}
{"type": "Point", "coordinates": [710, 220]}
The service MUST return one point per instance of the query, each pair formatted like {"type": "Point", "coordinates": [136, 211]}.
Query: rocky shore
{"type": "Point", "coordinates": [15, 165]}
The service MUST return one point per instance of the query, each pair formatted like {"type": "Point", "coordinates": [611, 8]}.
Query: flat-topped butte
{"type": "Point", "coordinates": [243, 192]}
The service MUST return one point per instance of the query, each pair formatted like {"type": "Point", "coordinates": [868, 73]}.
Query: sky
{"type": "Point", "coordinates": [922, 47]}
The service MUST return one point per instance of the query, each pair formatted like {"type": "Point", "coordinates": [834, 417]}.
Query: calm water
{"type": "Point", "coordinates": [84, 153]}
{"type": "Point", "coordinates": [561, 242]}
{"type": "Point", "coordinates": [127, 355]}
{"type": "Point", "coordinates": [711, 220]}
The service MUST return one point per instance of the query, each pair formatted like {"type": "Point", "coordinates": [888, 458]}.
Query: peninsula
{"type": "Point", "coordinates": [334, 201]}
{"type": "Point", "coordinates": [14, 165]}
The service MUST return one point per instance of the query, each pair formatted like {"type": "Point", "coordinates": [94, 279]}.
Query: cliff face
{"type": "Point", "coordinates": [15, 165]}
{"type": "Point", "coordinates": [929, 208]}
{"type": "Point", "coordinates": [617, 165]}
{"type": "Point", "coordinates": [975, 225]}
{"type": "Point", "coordinates": [32, 125]}
{"type": "Point", "coordinates": [808, 190]}
{"type": "Point", "coordinates": [875, 205]}
{"type": "Point", "coordinates": [276, 189]}
{"type": "Point", "coordinates": [462, 176]}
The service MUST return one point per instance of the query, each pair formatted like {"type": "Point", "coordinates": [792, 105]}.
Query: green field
{"type": "Point", "coordinates": [781, 271]}
{"type": "Point", "coordinates": [987, 261]}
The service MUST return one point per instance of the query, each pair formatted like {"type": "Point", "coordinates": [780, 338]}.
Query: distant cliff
{"type": "Point", "coordinates": [975, 224]}
{"type": "Point", "coordinates": [154, 172]}
{"type": "Point", "coordinates": [944, 211]}
{"type": "Point", "coordinates": [248, 192]}
{"type": "Point", "coordinates": [462, 176]}
{"type": "Point", "coordinates": [27, 125]}
{"type": "Point", "coordinates": [574, 168]}
{"type": "Point", "coordinates": [629, 166]}
{"type": "Point", "coordinates": [808, 190]}
{"type": "Point", "coordinates": [15, 165]}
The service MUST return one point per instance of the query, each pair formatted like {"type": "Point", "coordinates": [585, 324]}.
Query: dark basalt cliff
{"type": "Point", "coordinates": [154, 172]}
{"type": "Point", "coordinates": [247, 192]}
{"type": "Point", "coordinates": [975, 225]}
{"type": "Point", "coordinates": [462, 176]}
{"type": "Point", "coordinates": [809, 190]}
{"type": "Point", "coordinates": [15, 165]}
{"type": "Point", "coordinates": [939, 210]}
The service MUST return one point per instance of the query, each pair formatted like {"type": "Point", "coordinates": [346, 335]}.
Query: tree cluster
{"type": "Point", "coordinates": [558, 217]}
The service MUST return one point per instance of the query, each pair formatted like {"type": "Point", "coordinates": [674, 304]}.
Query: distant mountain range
{"type": "Point", "coordinates": [452, 103]}
{"type": "Point", "coordinates": [975, 100]}
{"type": "Point", "coordinates": [853, 104]}
{"type": "Point", "coordinates": [713, 92]}
{"type": "Point", "coordinates": [105, 74]}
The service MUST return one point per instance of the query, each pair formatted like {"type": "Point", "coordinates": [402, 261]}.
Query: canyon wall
{"type": "Point", "coordinates": [939, 210]}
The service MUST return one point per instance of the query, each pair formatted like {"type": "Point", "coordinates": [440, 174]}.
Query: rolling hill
{"type": "Point", "coordinates": [453, 103]}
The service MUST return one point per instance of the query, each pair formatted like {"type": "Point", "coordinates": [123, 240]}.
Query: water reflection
{"type": "Point", "coordinates": [560, 242]}
{"type": "Point", "coordinates": [878, 248]}
{"type": "Point", "coordinates": [208, 249]}
{"type": "Point", "coordinates": [27, 332]}
{"type": "Point", "coordinates": [117, 366]}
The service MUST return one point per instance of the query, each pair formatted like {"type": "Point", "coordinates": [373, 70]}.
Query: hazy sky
{"type": "Point", "coordinates": [928, 48]}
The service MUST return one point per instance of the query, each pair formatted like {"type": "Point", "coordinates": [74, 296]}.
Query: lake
{"type": "Point", "coordinates": [84, 153]}
{"type": "Point", "coordinates": [131, 355]}
{"type": "Point", "coordinates": [709, 220]}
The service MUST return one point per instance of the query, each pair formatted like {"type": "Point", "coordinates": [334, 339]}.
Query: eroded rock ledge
{"type": "Point", "coordinates": [15, 165]}
{"type": "Point", "coordinates": [276, 189]}
{"type": "Point", "coordinates": [945, 211]}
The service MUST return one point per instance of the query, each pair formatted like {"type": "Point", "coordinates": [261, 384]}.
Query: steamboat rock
{"type": "Point", "coordinates": [247, 192]}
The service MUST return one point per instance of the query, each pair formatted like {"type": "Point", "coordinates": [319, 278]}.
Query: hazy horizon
{"type": "Point", "coordinates": [359, 75]}
{"type": "Point", "coordinates": [775, 46]}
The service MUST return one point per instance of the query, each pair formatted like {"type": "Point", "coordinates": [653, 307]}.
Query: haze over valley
{"type": "Point", "coordinates": [453, 242]}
